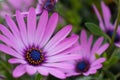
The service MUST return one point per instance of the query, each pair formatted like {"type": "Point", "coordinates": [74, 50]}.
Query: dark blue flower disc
{"type": "Point", "coordinates": [82, 66]}
{"type": "Point", "coordinates": [110, 34]}
{"type": "Point", "coordinates": [49, 5]}
{"type": "Point", "coordinates": [34, 56]}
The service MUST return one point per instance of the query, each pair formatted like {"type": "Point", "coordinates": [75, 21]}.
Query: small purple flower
{"type": "Point", "coordinates": [88, 63]}
{"type": "Point", "coordinates": [48, 5]}
{"type": "Point", "coordinates": [35, 48]}
{"type": "Point", "coordinates": [8, 7]}
{"type": "Point", "coordinates": [105, 23]}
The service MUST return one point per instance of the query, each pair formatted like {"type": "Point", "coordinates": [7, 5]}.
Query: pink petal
{"type": "Point", "coordinates": [9, 43]}
{"type": "Point", "coordinates": [16, 61]}
{"type": "Point", "coordinates": [12, 26]}
{"type": "Point", "coordinates": [58, 37]}
{"type": "Point", "coordinates": [40, 1]}
{"type": "Point", "coordinates": [6, 40]}
{"type": "Point", "coordinates": [117, 44]}
{"type": "Point", "coordinates": [106, 13]}
{"type": "Point", "coordinates": [93, 71]}
{"type": "Point", "coordinates": [31, 69]}
{"type": "Point", "coordinates": [31, 25]}
{"type": "Point", "coordinates": [87, 73]}
{"type": "Point", "coordinates": [118, 30]}
{"type": "Point", "coordinates": [15, 4]}
{"type": "Point", "coordinates": [21, 4]}
{"type": "Point", "coordinates": [96, 67]}
{"type": "Point", "coordinates": [73, 49]}
{"type": "Point", "coordinates": [15, 31]}
{"type": "Point", "coordinates": [52, 23]}
{"type": "Point", "coordinates": [98, 61]}
{"type": "Point", "coordinates": [22, 27]}
{"type": "Point", "coordinates": [61, 58]}
{"type": "Point", "coordinates": [90, 40]}
{"type": "Point", "coordinates": [60, 65]}
{"type": "Point", "coordinates": [97, 45]}
{"type": "Point", "coordinates": [83, 37]}
{"type": "Point", "coordinates": [102, 48]}
{"type": "Point", "coordinates": [89, 43]}
{"type": "Point", "coordinates": [84, 45]}
{"type": "Point", "coordinates": [99, 18]}
{"type": "Point", "coordinates": [5, 31]}
{"type": "Point", "coordinates": [9, 51]}
{"type": "Point", "coordinates": [43, 70]}
{"type": "Point", "coordinates": [24, 14]}
{"type": "Point", "coordinates": [41, 27]}
{"type": "Point", "coordinates": [18, 45]}
{"type": "Point", "coordinates": [69, 74]}
{"type": "Point", "coordinates": [65, 44]}
{"type": "Point", "coordinates": [38, 9]}
{"type": "Point", "coordinates": [19, 71]}
{"type": "Point", "coordinates": [57, 73]}
{"type": "Point", "coordinates": [85, 52]}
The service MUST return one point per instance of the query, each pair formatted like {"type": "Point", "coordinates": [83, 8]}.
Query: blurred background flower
{"type": "Point", "coordinates": [88, 63]}
{"type": "Point", "coordinates": [105, 23]}
{"type": "Point", "coordinates": [8, 7]}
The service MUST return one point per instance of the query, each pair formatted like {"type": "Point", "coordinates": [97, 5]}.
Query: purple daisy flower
{"type": "Point", "coordinates": [105, 23]}
{"type": "Point", "coordinates": [88, 64]}
{"type": "Point", "coordinates": [35, 48]}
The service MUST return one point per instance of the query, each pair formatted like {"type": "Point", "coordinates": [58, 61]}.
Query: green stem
{"type": "Point", "coordinates": [4, 66]}
{"type": "Point", "coordinates": [117, 24]}
{"type": "Point", "coordinates": [40, 77]}
{"type": "Point", "coordinates": [116, 27]}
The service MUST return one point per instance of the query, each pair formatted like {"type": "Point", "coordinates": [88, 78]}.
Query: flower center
{"type": "Point", "coordinates": [49, 5]}
{"type": "Point", "coordinates": [82, 66]}
{"type": "Point", "coordinates": [34, 56]}
{"type": "Point", "coordinates": [110, 34]}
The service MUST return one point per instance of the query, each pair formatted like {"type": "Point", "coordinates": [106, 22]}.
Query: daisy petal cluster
{"type": "Point", "coordinates": [34, 47]}
{"type": "Point", "coordinates": [105, 23]}
{"type": "Point", "coordinates": [88, 63]}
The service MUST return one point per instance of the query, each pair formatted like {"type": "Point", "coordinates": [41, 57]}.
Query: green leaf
{"type": "Point", "coordinates": [100, 77]}
{"type": "Point", "coordinates": [105, 55]}
{"type": "Point", "coordinates": [85, 78]}
{"type": "Point", "coordinates": [115, 57]}
{"type": "Point", "coordinates": [5, 66]}
{"type": "Point", "coordinates": [110, 75]}
{"type": "Point", "coordinates": [94, 29]}
{"type": "Point", "coordinates": [97, 55]}
{"type": "Point", "coordinates": [117, 53]}
{"type": "Point", "coordinates": [113, 61]}
{"type": "Point", "coordinates": [38, 77]}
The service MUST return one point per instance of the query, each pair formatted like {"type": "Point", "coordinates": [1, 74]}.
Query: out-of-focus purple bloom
{"type": "Point", "coordinates": [35, 48]}
{"type": "Point", "coordinates": [88, 63]}
{"type": "Point", "coordinates": [105, 23]}
{"type": "Point", "coordinates": [8, 7]}
{"type": "Point", "coordinates": [49, 5]}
